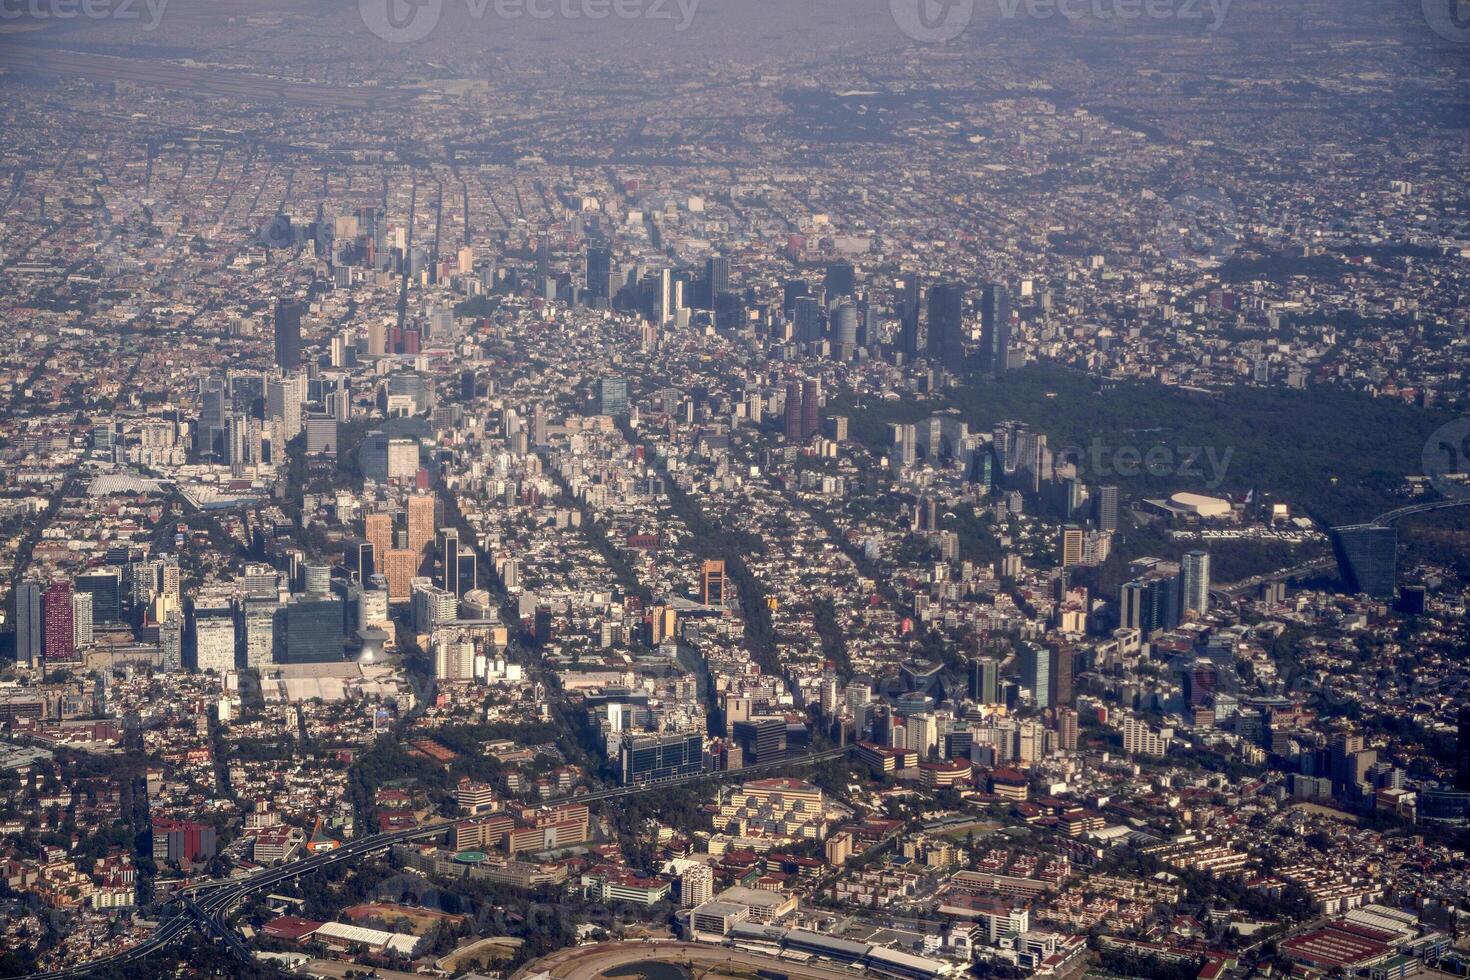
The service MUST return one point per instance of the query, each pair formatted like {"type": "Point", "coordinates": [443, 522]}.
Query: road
{"type": "Point", "coordinates": [208, 905]}
{"type": "Point", "coordinates": [1224, 593]}
{"type": "Point", "coordinates": [587, 962]}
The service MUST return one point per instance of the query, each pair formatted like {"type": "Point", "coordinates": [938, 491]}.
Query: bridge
{"type": "Point", "coordinates": [208, 905]}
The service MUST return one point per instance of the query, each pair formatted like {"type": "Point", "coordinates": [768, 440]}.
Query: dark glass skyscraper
{"type": "Point", "coordinates": [995, 326]}
{"type": "Point", "coordinates": [1367, 555]}
{"type": "Point", "coordinates": [288, 335]}
{"type": "Point", "coordinates": [841, 280]}
{"type": "Point", "coordinates": [716, 277]}
{"type": "Point", "coordinates": [599, 272]}
{"type": "Point", "coordinates": [314, 630]}
{"type": "Point", "coordinates": [946, 324]}
{"type": "Point", "coordinates": [29, 635]}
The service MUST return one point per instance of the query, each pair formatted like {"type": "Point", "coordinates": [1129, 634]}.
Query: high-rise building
{"type": "Point", "coordinates": [1105, 509]}
{"type": "Point", "coordinates": [105, 587]}
{"type": "Point", "coordinates": [421, 522]}
{"type": "Point", "coordinates": [908, 312]}
{"type": "Point", "coordinates": [1036, 664]}
{"type": "Point", "coordinates": [378, 530]}
{"type": "Point", "coordinates": [811, 408]}
{"type": "Point", "coordinates": [81, 620]}
{"type": "Point", "coordinates": [29, 623]}
{"type": "Point", "coordinates": [840, 280]}
{"type": "Point", "coordinates": [599, 272]}
{"type": "Point", "coordinates": [262, 631]}
{"type": "Point", "coordinates": [792, 290]}
{"type": "Point", "coordinates": [716, 277]}
{"type": "Point", "coordinates": [762, 740]}
{"type": "Point", "coordinates": [844, 331]}
{"type": "Point", "coordinates": [1060, 678]}
{"type": "Point", "coordinates": [995, 327]}
{"type": "Point", "coordinates": [283, 400]}
{"type": "Point", "coordinates": [645, 758]}
{"type": "Point", "coordinates": [1150, 603]}
{"type": "Point", "coordinates": [946, 324]}
{"type": "Point", "coordinates": [806, 320]}
{"type": "Point", "coordinates": [1195, 582]}
{"type": "Point", "coordinates": [214, 633]}
{"type": "Point", "coordinates": [400, 565]}
{"type": "Point", "coordinates": [288, 334]}
{"type": "Point", "coordinates": [314, 630]}
{"type": "Point", "coordinates": [696, 886]}
{"type": "Point", "coordinates": [60, 634]}
{"type": "Point", "coordinates": [793, 411]}
{"type": "Point", "coordinates": [214, 411]}
{"type": "Point", "coordinates": [612, 397]}
{"type": "Point", "coordinates": [1367, 555]}
{"type": "Point", "coordinates": [449, 559]}
{"type": "Point", "coordinates": [712, 583]}
{"type": "Point", "coordinates": [1067, 729]}
{"type": "Point", "coordinates": [1071, 545]}
{"type": "Point", "coordinates": [985, 680]}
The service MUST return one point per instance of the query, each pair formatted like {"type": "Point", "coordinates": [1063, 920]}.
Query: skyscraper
{"type": "Point", "coordinates": [1367, 555]}
{"type": "Point", "coordinates": [1105, 509]}
{"type": "Point", "coordinates": [421, 508]}
{"type": "Point", "coordinates": [844, 331]}
{"type": "Point", "coordinates": [29, 631]}
{"type": "Point", "coordinates": [599, 272]}
{"type": "Point", "coordinates": [313, 630]}
{"type": "Point", "coordinates": [288, 334]}
{"type": "Point", "coordinates": [946, 324]}
{"type": "Point", "coordinates": [1195, 582]}
{"type": "Point", "coordinates": [449, 559]}
{"type": "Point", "coordinates": [793, 411]}
{"type": "Point", "coordinates": [995, 326]}
{"type": "Point", "coordinates": [612, 396]}
{"type": "Point", "coordinates": [60, 632]}
{"type": "Point", "coordinates": [1071, 545]}
{"type": "Point", "coordinates": [840, 280]}
{"type": "Point", "coordinates": [213, 411]}
{"type": "Point", "coordinates": [1060, 678]}
{"type": "Point", "coordinates": [811, 408]}
{"type": "Point", "coordinates": [1036, 661]}
{"type": "Point", "coordinates": [717, 277]}
{"type": "Point", "coordinates": [908, 312]}
{"type": "Point", "coordinates": [712, 583]}
{"type": "Point", "coordinates": [378, 530]}
{"type": "Point", "coordinates": [985, 680]}
{"type": "Point", "coordinates": [81, 620]}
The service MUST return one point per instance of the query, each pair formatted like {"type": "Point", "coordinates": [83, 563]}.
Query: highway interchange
{"type": "Point", "coordinates": [208, 905]}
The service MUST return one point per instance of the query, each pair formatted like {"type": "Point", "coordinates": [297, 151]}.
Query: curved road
{"type": "Point", "coordinates": [1228, 592]}
{"type": "Point", "coordinates": [209, 903]}
{"type": "Point", "coordinates": [587, 962]}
